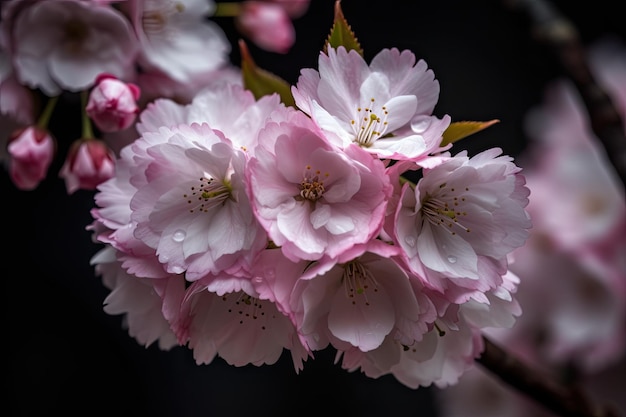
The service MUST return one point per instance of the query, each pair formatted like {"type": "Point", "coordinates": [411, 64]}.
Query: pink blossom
{"type": "Point", "coordinates": [88, 163]}
{"type": "Point", "coordinates": [580, 312]}
{"type": "Point", "coordinates": [192, 207]}
{"type": "Point", "coordinates": [441, 357]}
{"type": "Point", "coordinates": [112, 103]}
{"type": "Point", "coordinates": [113, 225]}
{"type": "Point", "coordinates": [227, 107]}
{"type": "Point", "coordinates": [178, 39]}
{"type": "Point", "coordinates": [268, 25]}
{"type": "Point", "coordinates": [65, 44]}
{"type": "Point", "coordinates": [137, 299]}
{"type": "Point", "coordinates": [227, 318]}
{"type": "Point", "coordinates": [463, 218]}
{"type": "Point", "coordinates": [359, 299]}
{"type": "Point", "coordinates": [384, 107]}
{"type": "Point", "coordinates": [311, 198]}
{"type": "Point", "coordinates": [31, 151]}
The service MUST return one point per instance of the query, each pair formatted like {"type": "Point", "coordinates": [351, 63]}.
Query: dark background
{"type": "Point", "coordinates": [65, 355]}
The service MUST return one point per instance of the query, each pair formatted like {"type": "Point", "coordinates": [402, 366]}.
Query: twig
{"type": "Point", "coordinates": [565, 401]}
{"type": "Point", "coordinates": [559, 33]}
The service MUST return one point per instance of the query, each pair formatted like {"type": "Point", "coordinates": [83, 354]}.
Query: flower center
{"type": "Point", "coordinates": [370, 124]}
{"type": "Point", "coordinates": [246, 307]}
{"type": "Point", "coordinates": [312, 185]}
{"type": "Point", "coordinates": [357, 282]}
{"type": "Point", "coordinates": [76, 32]}
{"type": "Point", "coordinates": [444, 208]}
{"type": "Point", "coordinates": [210, 193]}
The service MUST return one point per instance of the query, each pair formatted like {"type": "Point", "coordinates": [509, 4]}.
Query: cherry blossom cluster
{"type": "Point", "coordinates": [243, 217]}
{"type": "Point", "coordinates": [243, 227]}
{"type": "Point", "coordinates": [118, 55]}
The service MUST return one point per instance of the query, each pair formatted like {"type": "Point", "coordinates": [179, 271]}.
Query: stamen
{"type": "Point", "coordinates": [444, 209]}
{"type": "Point", "coordinates": [369, 125]}
{"type": "Point", "coordinates": [246, 308]}
{"type": "Point", "coordinates": [358, 281]}
{"type": "Point", "coordinates": [210, 193]}
{"type": "Point", "coordinates": [312, 185]}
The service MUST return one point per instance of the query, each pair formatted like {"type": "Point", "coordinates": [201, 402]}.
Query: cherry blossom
{"type": "Point", "coordinates": [136, 299]}
{"type": "Point", "coordinates": [359, 298]}
{"type": "Point", "coordinates": [314, 200]}
{"type": "Point", "coordinates": [228, 318]}
{"type": "Point", "coordinates": [385, 108]}
{"type": "Point", "coordinates": [177, 39]}
{"type": "Point", "coordinates": [461, 221]}
{"type": "Point", "coordinates": [243, 217]}
{"type": "Point", "coordinates": [65, 44]}
{"type": "Point", "coordinates": [195, 177]}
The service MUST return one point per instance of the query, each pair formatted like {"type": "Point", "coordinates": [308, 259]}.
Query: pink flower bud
{"type": "Point", "coordinates": [268, 25]}
{"type": "Point", "coordinates": [112, 103]}
{"type": "Point", "coordinates": [32, 150]}
{"type": "Point", "coordinates": [89, 162]}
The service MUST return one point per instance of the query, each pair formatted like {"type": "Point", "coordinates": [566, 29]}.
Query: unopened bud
{"type": "Point", "coordinates": [89, 162]}
{"type": "Point", "coordinates": [31, 150]}
{"type": "Point", "coordinates": [268, 25]}
{"type": "Point", "coordinates": [112, 103]}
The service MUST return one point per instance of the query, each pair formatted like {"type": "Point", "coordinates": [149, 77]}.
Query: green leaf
{"type": "Point", "coordinates": [262, 82]}
{"type": "Point", "coordinates": [341, 33]}
{"type": "Point", "coordinates": [459, 130]}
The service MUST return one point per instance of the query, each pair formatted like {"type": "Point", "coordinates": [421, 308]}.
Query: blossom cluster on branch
{"type": "Point", "coordinates": [242, 217]}
{"type": "Point", "coordinates": [257, 216]}
{"type": "Point", "coordinates": [333, 212]}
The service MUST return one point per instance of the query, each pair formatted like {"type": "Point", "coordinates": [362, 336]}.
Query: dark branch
{"type": "Point", "coordinates": [555, 30]}
{"type": "Point", "coordinates": [563, 400]}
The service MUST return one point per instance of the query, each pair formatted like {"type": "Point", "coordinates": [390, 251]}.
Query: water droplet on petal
{"type": "Point", "coordinates": [410, 240]}
{"type": "Point", "coordinates": [420, 124]}
{"type": "Point", "coordinates": [179, 235]}
{"type": "Point", "coordinates": [451, 259]}
{"type": "Point", "coordinates": [270, 273]}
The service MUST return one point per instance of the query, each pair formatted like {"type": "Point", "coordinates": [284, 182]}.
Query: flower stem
{"type": "Point", "coordinates": [86, 121]}
{"type": "Point", "coordinates": [227, 9]}
{"type": "Point", "coordinates": [44, 118]}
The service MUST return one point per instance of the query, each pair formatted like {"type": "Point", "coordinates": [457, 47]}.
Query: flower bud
{"type": "Point", "coordinates": [31, 150]}
{"type": "Point", "coordinates": [89, 162]}
{"type": "Point", "coordinates": [112, 103]}
{"type": "Point", "coordinates": [268, 25]}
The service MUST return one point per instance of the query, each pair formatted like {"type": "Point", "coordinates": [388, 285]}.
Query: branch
{"type": "Point", "coordinates": [555, 30]}
{"type": "Point", "coordinates": [565, 401]}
